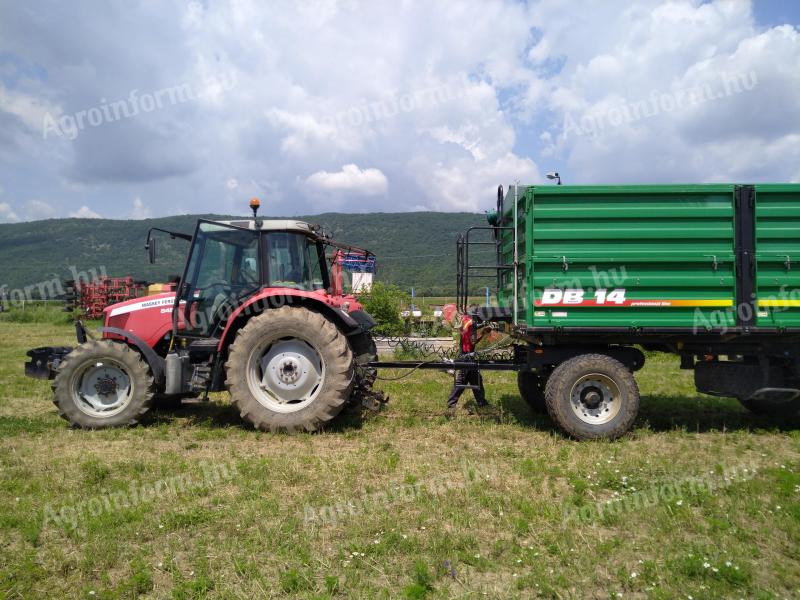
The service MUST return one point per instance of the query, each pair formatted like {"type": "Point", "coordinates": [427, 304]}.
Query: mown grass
{"type": "Point", "coordinates": [494, 527]}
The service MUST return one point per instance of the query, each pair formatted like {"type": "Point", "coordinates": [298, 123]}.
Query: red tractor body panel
{"type": "Point", "coordinates": [150, 318]}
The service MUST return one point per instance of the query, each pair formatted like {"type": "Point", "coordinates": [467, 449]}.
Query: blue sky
{"type": "Point", "coordinates": [144, 109]}
{"type": "Point", "coordinates": [769, 13]}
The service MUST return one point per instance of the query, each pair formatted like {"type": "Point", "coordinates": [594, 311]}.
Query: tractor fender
{"type": "Point", "coordinates": [344, 320]}
{"type": "Point", "coordinates": [154, 360]}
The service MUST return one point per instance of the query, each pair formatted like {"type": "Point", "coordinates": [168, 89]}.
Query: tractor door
{"type": "Point", "coordinates": [224, 268]}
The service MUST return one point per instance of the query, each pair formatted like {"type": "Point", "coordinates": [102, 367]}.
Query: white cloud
{"type": "Point", "coordinates": [31, 109]}
{"type": "Point", "coordinates": [84, 212]}
{"type": "Point", "coordinates": [662, 59]}
{"type": "Point", "coordinates": [7, 213]}
{"type": "Point", "coordinates": [140, 210]}
{"type": "Point", "coordinates": [445, 117]}
{"type": "Point", "coordinates": [36, 210]}
{"type": "Point", "coordinates": [303, 130]}
{"type": "Point", "coordinates": [351, 179]}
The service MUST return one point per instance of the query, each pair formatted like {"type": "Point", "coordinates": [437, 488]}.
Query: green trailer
{"type": "Point", "coordinates": [588, 276]}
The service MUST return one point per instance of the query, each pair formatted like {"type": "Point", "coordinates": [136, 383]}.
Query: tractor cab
{"type": "Point", "coordinates": [229, 261]}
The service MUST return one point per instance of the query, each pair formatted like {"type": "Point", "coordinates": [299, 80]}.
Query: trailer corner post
{"type": "Point", "coordinates": [516, 256]}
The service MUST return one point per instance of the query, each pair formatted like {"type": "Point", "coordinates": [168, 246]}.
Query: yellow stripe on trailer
{"type": "Point", "coordinates": [716, 303]}
{"type": "Point", "coordinates": [776, 302]}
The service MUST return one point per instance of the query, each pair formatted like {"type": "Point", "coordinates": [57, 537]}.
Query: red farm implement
{"type": "Point", "coordinates": [92, 297]}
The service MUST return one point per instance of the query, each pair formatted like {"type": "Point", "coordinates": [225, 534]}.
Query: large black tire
{"type": "Point", "coordinates": [257, 341]}
{"type": "Point", "coordinates": [101, 361]}
{"type": "Point", "coordinates": [592, 396]}
{"type": "Point", "coordinates": [531, 388]}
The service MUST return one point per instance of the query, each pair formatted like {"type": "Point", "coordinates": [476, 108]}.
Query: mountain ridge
{"type": "Point", "coordinates": [413, 248]}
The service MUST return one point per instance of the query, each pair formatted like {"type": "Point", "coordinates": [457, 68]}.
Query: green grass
{"type": "Point", "coordinates": [471, 507]}
{"type": "Point", "coordinates": [36, 312]}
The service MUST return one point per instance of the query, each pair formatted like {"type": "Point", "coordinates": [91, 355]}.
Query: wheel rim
{"type": "Point", "coordinates": [102, 389]}
{"type": "Point", "coordinates": [286, 375]}
{"type": "Point", "coordinates": [595, 399]}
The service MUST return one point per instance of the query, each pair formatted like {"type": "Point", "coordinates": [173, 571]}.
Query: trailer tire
{"type": "Point", "coordinates": [289, 369]}
{"type": "Point", "coordinates": [592, 396]}
{"type": "Point", "coordinates": [114, 367]}
{"type": "Point", "coordinates": [531, 388]}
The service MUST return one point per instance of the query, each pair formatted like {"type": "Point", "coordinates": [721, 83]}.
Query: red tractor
{"type": "Point", "coordinates": [255, 313]}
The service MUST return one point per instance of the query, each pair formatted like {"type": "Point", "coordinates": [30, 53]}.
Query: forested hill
{"type": "Point", "coordinates": [413, 249]}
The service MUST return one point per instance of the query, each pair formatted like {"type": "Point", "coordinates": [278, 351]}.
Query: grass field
{"type": "Point", "coordinates": [702, 500]}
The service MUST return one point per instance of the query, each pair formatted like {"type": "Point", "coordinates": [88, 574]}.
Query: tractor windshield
{"type": "Point", "coordinates": [223, 268]}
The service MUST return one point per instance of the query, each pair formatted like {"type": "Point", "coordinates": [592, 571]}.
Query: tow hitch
{"type": "Point", "coordinates": [44, 361]}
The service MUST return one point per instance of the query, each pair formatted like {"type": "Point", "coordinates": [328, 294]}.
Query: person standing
{"type": "Point", "coordinates": [468, 338]}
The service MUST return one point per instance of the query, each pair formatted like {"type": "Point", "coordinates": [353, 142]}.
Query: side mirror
{"type": "Point", "coordinates": [151, 250]}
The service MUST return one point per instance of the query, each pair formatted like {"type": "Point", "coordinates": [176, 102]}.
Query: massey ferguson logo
{"type": "Point", "coordinates": [123, 310]}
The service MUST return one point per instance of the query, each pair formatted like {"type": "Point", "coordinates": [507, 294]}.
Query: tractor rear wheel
{"type": "Point", "coordinates": [289, 369]}
{"type": "Point", "coordinates": [103, 383]}
{"type": "Point", "coordinates": [531, 388]}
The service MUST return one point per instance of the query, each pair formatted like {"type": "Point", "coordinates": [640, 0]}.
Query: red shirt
{"type": "Point", "coordinates": [467, 329]}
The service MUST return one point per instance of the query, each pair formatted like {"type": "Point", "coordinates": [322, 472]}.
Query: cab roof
{"type": "Point", "coordinates": [272, 225]}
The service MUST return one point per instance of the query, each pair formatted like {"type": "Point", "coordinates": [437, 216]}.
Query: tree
{"type": "Point", "coordinates": [384, 303]}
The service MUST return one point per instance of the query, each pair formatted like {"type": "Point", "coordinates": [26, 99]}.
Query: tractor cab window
{"type": "Point", "coordinates": [223, 269]}
{"type": "Point", "coordinates": [294, 260]}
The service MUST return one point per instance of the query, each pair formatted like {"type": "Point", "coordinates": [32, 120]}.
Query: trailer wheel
{"type": "Point", "coordinates": [531, 388]}
{"type": "Point", "coordinates": [289, 369]}
{"type": "Point", "coordinates": [592, 396]}
{"type": "Point", "coordinates": [103, 383]}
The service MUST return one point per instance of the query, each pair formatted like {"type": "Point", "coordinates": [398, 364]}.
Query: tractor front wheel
{"type": "Point", "coordinates": [103, 383]}
{"type": "Point", "coordinates": [289, 369]}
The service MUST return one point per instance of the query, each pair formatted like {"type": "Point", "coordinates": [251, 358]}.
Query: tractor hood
{"type": "Point", "coordinates": [150, 317]}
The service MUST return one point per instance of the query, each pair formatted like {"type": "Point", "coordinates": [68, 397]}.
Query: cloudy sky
{"type": "Point", "coordinates": [137, 109]}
